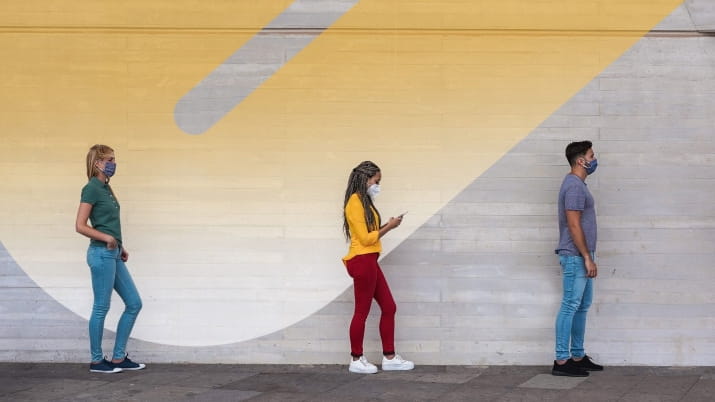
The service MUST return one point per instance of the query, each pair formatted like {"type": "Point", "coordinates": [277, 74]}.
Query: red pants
{"type": "Point", "coordinates": [369, 283]}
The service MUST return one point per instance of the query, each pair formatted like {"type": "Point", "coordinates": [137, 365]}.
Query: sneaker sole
{"type": "Point", "coordinates": [362, 372]}
{"type": "Point", "coordinates": [133, 369]}
{"type": "Point", "coordinates": [397, 368]}
{"type": "Point", "coordinates": [562, 374]}
{"type": "Point", "coordinates": [105, 371]}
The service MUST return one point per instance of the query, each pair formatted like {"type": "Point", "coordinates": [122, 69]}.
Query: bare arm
{"type": "Point", "coordinates": [573, 219]}
{"type": "Point", "coordinates": [82, 227]}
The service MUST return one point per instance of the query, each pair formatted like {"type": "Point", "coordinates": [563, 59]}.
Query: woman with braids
{"type": "Point", "coordinates": [362, 227]}
{"type": "Point", "coordinates": [106, 257]}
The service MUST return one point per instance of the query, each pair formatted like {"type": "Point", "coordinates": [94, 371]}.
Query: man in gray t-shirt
{"type": "Point", "coordinates": [576, 250]}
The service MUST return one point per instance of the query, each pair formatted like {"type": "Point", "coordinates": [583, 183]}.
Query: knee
{"type": "Point", "coordinates": [100, 309]}
{"type": "Point", "coordinates": [585, 304]}
{"type": "Point", "coordinates": [389, 308]}
{"type": "Point", "coordinates": [569, 306]}
{"type": "Point", "coordinates": [134, 307]}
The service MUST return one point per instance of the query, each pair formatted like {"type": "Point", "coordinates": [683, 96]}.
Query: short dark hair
{"type": "Point", "coordinates": [577, 150]}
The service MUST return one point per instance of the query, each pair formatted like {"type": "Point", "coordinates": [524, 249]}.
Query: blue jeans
{"type": "Point", "coordinates": [109, 272]}
{"type": "Point", "coordinates": [577, 297]}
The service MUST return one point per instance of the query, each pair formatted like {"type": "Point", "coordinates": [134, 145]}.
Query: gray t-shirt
{"type": "Point", "coordinates": [574, 196]}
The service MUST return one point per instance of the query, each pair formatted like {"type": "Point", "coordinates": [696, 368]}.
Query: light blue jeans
{"type": "Point", "coordinates": [109, 272]}
{"type": "Point", "coordinates": [577, 297]}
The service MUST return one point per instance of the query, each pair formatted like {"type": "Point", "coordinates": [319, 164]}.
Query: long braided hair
{"type": "Point", "coordinates": [357, 184]}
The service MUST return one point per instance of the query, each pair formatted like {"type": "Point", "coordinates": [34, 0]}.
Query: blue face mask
{"type": "Point", "coordinates": [109, 169]}
{"type": "Point", "coordinates": [591, 166]}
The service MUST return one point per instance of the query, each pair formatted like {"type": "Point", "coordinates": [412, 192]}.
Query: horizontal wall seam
{"type": "Point", "coordinates": [353, 31]}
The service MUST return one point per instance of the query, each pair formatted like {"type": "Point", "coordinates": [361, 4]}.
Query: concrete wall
{"type": "Point", "coordinates": [235, 232]}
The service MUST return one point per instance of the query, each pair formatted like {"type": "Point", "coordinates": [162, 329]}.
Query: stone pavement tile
{"type": "Point", "coordinates": [673, 371]}
{"type": "Point", "coordinates": [611, 381]}
{"type": "Point", "coordinates": [531, 394]}
{"type": "Point", "coordinates": [291, 368]}
{"type": "Point", "coordinates": [548, 381]}
{"type": "Point", "coordinates": [446, 378]}
{"type": "Point", "coordinates": [52, 389]}
{"type": "Point", "coordinates": [434, 374]}
{"type": "Point", "coordinates": [46, 370]}
{"type": "Point", "coordinates": [285, 397]}
{"type": "Point", "coordinates": [214, 378]}
{"type": "Point", "coordinates": [661, 388]}
{"type": "Point", "coordinates": [160, 374]}
{"type": "Point", "coordinates": [162, 393]}
{"type": "Point", "coordinates": [10, 386]}
{"type": "Point", "coordinates": [199, 395]}
{"type": "Point", "coordinates": [113, 392]}
{"type": "Point", "coordinates": [476, 370]}
{"type": "Point", "coordinates": [471, 393]}
{"type": "Point", "coordinates": [396, 390]}
{"type": "Point", "coordinates": [703, 390]}
{"type": "Point", "coordinates": [577, 394]}
{"type": "Point", "coordinates": [508, 376]}
{"type": "Point", "coordinates": [301, 382]}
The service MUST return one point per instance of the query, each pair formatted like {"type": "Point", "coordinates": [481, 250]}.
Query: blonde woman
{"type": "Point", "coordinates": [106, 258]}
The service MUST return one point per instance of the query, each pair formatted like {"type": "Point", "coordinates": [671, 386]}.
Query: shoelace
{"type": "Point", "coordinates": [396, 359]}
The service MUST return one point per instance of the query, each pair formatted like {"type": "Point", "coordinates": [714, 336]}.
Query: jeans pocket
{"type": "Point", "coordinates": [97, 253]}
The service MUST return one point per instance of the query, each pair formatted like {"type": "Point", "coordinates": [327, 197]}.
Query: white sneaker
{"type": "Point", "coordinates": [396, 363]}
{"type": "Point", "coordinates": [362, 366]}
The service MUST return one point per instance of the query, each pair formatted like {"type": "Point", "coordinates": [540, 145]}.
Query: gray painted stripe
{"type": "Point", "coordinates": [261, 57]}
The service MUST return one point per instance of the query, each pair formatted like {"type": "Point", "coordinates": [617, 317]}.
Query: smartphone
{"type": "Point", "coordinates": [403, 214]}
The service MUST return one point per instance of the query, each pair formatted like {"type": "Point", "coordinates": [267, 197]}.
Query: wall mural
{"type": "Point", "coordinates": [235, 127]}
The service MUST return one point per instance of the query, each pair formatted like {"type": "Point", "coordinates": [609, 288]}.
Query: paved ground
{"type": "Point", "coordinates": [194, 382]}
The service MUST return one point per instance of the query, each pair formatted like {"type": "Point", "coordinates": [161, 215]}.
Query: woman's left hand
{"type": "Point", "coordinates": [125, 254]}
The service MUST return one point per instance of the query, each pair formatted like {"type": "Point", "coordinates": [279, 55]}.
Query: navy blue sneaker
{"type": "Point", "coordinates": [127, 364]}
{"type": "Point", "coordinates": [104, 367]}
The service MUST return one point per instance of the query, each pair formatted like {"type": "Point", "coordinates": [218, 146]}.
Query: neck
{"type": "Point", "coordinates": [102, 177]}
{"type": "Point", "coordinates": [580, 172]}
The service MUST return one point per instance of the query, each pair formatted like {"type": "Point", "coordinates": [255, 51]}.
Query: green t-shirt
{"type": "Point", "coordinates": [105, 210]}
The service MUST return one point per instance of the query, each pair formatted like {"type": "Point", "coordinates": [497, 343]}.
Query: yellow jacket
{"type": "Point", "coordinates": [361, 240]}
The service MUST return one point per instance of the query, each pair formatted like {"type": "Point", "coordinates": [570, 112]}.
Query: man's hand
{"type": "Point", "coordinates": [591, 269]}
